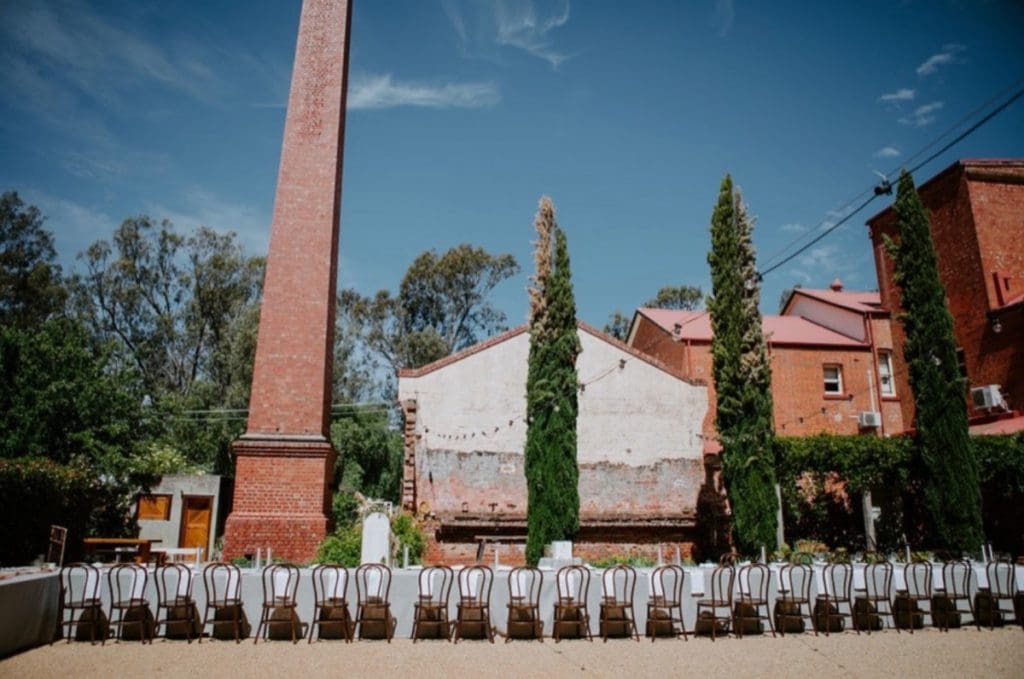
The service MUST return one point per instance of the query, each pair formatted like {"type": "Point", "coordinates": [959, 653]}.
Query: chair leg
{"type": "Point", "coordinates": [768, 616]}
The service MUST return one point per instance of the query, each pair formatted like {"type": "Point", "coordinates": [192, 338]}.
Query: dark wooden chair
{"type": "Point", "coordinates": [875, 601]}
{"type": "Point", "coordinates": [330, 602]}
{"type": "Point", "coordinates": [794, 596]}
{"type": "Point", "coordinates": [837, 583]}
{"type": "Point", "coordinates": [572, 584]}
{"type": "Point", "coordinates": [754, 582]}
{"type": "Point", "coordinates": [174, 598]}
{"type": "Point", "coordinates": [373, 604]}
{"type": "Point", "coordinates": [430, 612]}
{"type": "Point", "coordinates": [954, 590]}
{"type": "Point", "coordinates": [524, 621]}
{"type": "Point", "coordinates": [127, 586]}
{"type": "Point", "coordinates": [280, 601]}
{"type": "Point", "coordinates": [80, 595]}
{"type": "Point", "coordinates": [473, 619]}
{"type": "Point", "coordinates": [1002, 585]}
{"type": "Point", "coordinates": [665, 603]}
{"type": "Point", "coordinates": [722, 579]}
{"type": "Point", "coordinates": [618, 588]}
{"type": "Point", "coordinates": [917, 592]}
{"type": "Point", "coordinates": [222, 583]}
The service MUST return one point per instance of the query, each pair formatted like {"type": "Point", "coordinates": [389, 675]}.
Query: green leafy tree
{"type": "Point", "coordinates": [552, 473]}
{"type": "Point", "coordinates": [742, 374]}
{"type": "Point", "coordinates": [31, 289]}
{"type": "Point", "coordinates": [369, 451]}
{"type": "Point", "coordinates": [952, 490]}
{"type": "Point", "coordinates": [685, 297]}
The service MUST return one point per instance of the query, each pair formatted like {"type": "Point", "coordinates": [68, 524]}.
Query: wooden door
{"type": "Point", "coordinates": [196, 512]}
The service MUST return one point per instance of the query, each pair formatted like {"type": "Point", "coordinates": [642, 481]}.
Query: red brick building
{"type": "Point", "coordinates": [977, 222]}
{"type": "Point", "coordinates": [832, 361]}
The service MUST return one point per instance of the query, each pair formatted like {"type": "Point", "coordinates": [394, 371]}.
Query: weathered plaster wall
{"type": "Point", "coordinates": [178, 486]}
{"type": "Point", "coordinates": [843, 321]}
{"type": "Point", "coordinates": [639, 445]}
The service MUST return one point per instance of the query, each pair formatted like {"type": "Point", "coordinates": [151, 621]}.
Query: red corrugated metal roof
{"type": "Point", "coordinates": [791, 330]}
{"type": "Point", "coordinates": [859, 301]}
{"type": "Point", "coordinates": [1010, 425]}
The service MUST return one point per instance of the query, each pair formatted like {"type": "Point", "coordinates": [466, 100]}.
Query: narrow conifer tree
{"type": "Point", "coordinates": [551, 399]}
{"type": "Point", "coordinates": [952, 490]}
{"type": "Point", "coordinates": [742, 374]}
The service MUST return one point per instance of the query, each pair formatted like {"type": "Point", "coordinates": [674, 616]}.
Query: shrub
{"type": "Point", "coordinates": [343, 547]}
{"type": "Point", "coordinates": [408, 534]}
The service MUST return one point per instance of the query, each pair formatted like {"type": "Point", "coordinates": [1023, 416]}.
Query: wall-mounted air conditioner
{"type": "Point", "coordinates": [870, 419]}
{"type": "Point", "coordinates": [987, 397]}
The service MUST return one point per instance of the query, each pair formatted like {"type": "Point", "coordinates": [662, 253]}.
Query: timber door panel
{"type": "Point", "coordinates": [196, 512]}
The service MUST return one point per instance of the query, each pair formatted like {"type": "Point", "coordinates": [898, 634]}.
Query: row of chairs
{"type": "Point", "coordinates": [739, 598]}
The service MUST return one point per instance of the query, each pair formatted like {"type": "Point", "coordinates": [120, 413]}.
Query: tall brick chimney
{"type": "Point", "coordinates": [285, 461]}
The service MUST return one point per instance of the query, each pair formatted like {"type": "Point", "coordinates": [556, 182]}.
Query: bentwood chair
{"type": "Point", "coordinates": [473, 620]}
{"type": "Point", "coordinates": [794, 596]}
{"type": "Point", "coordinates": [430, 612]}
{"type": "Point", "coordinates": [174, 598]}
{"type": "Point", "coordinates": [524, 621]}
{"type": "Point", "coordinates": [280, 594]}
{"type": "Point", "coordinates": [80, 591]}
{"type": "Point", "coordinates": [754, 581]}
{"type": "Point", "coordinates": [722, 579]}
{"type": "Point", "coordinates": [877, 593]}
{"type": "Point", "coordinates": [55, 548]}
{"type": "Point", "coordinates": [618, 588]}
{"type": "Point", "coordinates": [127, 584]}
{"type": "Point", "coordinates": [665, 602]}
{"type": "Point", "coordinates": [373, 603]}
{"type": "Point", "coordinates": [1002, 583]}
{"type": "Point", "coordinates": [918, 578]}
{"type": "Point", "coordinates": [572, 584]}
{"type": "Point", "coordinates": [955, 589]}
{"type": "Point", "coordinates": [837, 583]}
{"type": "Point", "coordinates": [222, 583]}
{"type": "Point", "coordinates": [330, 605]}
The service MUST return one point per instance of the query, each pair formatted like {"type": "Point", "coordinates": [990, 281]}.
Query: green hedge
{"type": "Point", "coordinates": [822, 478]}
{"type": "Point", "coordinates": [37, 492]}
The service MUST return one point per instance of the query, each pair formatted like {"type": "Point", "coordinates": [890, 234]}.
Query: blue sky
{"type": "Point", "coordinates": [463, 113]}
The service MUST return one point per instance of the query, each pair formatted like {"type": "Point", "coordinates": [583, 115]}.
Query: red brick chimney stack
{"type": "Point", "coordinates": [285, 461]}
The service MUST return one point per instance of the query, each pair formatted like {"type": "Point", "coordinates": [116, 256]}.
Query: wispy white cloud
{"type": "Point", "coordinates": [74, 224]}
{"type": "Point", "coordinates": [725, 14]}
{"type": "Point", "coordinates": [922, 115]}
{"type": "Point", "coordinates": [902, 94]}
{"type": "Point", "coordinates": [381, 91]}
{"type": "Point", "coordinates": [949, 54]}
{"type": "Point", "coordinates": [887, 152]}
{"type": "Point", "coordinates": [793, 228]}
{"type": "Point", "coordinates": [519, 24]}
{"type": "Point", "coordinates": [201, 207]}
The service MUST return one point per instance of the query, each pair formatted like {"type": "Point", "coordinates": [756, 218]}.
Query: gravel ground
{"type": "Point", "coordinates": [927, 653]}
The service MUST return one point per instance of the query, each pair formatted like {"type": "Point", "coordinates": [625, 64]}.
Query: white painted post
{"type": "Point", "coordinates": [869, 521]}
{"type": "Point", "coordinates": [780, 528]}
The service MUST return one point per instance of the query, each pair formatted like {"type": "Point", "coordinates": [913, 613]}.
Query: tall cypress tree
{"type": "Point", "coordinates": [552, 474]}
{"type": "Point", "coordinates": [952, 489]}
{"type": "Point", "coordinates": [742, 374]}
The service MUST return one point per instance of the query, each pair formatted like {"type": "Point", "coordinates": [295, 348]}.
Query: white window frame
{"type": "Point", "coordinates": [838, 381]}
{"type": "Point", "coordinates": [886, 379]}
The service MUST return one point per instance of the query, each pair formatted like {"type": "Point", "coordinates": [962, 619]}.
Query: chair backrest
{"type": "Point", "coordinates": [173, 581]}
{"type": "Point", "coordinates": [1002, 581]}
{"type": "Point", "coordinates": [435, 584]}
{"type": "Point", "coordinates": [795, 581]}
{"type": "Point", "coordinates": [330, 583]}
{"type": "Point", "coordinates": [280, 583]}
{"type": "Point", "coordinates": [878, 580]}
{"type": "Point", "coordinates": [918, 576]}
{"type": "Point", "coordinates": [475, 584]}
{"type": "Point", "coordinates": [754, 580]}
{"type": "Point", "coordinates": [838, 580]}
{"type": "Point", "coordinates": [127, 582]}
{"type": "Point", "coordinates": [524, 585]}
{"type": "Point", "coordinates": [667, 583]}
{"type": "Point", "coordinates": [79, 582]}
{"type": "Point", "coordinates": [722, 579]}
{"type": "Point", "coordinates": [727, 559]}
{"type": "Point", "coordinates": [55, 551]}
{"type": "Point", "coordinates": [618, 584]}
{"type": "Point", "coordinates": [373, 583]}
{"type": "Point", "coordinates": [573, 584]}
{"type": "Point", "coordinates": [956, 578]}
{"type": "Point", "coordinates": [222, 582]}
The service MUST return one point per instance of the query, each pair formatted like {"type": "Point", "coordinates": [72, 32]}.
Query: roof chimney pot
{"type": "Point", "coordinates": [837, 285]}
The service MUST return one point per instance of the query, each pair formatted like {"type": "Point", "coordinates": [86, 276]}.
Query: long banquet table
{"type": "Point", "coordinates": [404, 593]}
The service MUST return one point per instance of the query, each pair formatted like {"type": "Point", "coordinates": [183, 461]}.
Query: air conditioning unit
{"type": "Point", "coordinates": [870, 419]}
{"type": "Point", "coordinates": [987, 397]}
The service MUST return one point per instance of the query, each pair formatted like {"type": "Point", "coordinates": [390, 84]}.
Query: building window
{"type": "Point", "coordinates": [833, 379]}
{"type": "Point", "coordinates": [155, 507]}
{"type": "Point", "coordinates": [885, 373]}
